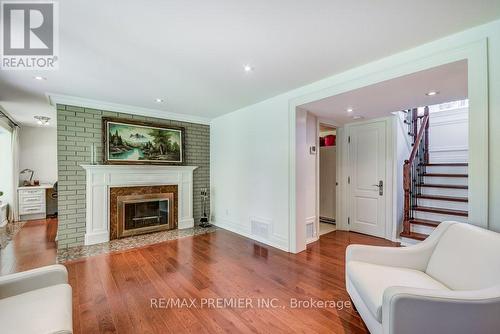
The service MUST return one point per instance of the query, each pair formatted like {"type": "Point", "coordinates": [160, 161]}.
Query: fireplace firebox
{"type": "Point", "coordinates": [145, 213]}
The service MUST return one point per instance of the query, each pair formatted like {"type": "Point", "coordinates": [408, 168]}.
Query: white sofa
{"type": "Point", "coordinates": [449, 283]}
{"type": "Point", "coordinates": [36, 301]}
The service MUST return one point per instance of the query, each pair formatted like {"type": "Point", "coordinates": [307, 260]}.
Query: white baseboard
{"type": "Point", "coordinates": [185, 223]}
{"type": "Point", "coordinates": [273, 241]}
{"type": "Point", "coordinates": [96, 238]}
{"type": "Point", "coordinates": [32, 216]}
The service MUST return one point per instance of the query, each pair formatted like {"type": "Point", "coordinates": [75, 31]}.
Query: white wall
{"type": "Point", "coordinates": [449, 136]}
{"type": "Point", "coordinates": [252, 161]}
{"type": "Point", "coordinates": [306, 164]}
{"type": "Point", "coordinates": [38, 151]}
{"type": "Point", "coordinates": [249, 171]}
{"type": "Point", "coordinates": [403, 150]}
{"type": "Point", "coordinates": [6, 183]}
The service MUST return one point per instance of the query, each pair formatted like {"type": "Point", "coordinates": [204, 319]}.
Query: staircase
{"type": "Point", "coordinates": [433, 192]}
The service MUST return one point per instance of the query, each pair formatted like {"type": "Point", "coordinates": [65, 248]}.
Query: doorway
{"type": "Point", "coordinates": [327, 178]}
{"type": "Point", "coordinates": [368, 165]}
{"type": "Point", "coordinates": [372, 144]}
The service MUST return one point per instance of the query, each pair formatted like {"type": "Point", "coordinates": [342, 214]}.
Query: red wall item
{"type": "Point", "coordinates": [330, 140]}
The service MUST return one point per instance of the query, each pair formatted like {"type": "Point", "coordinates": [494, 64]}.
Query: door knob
{"type": "Point", "coordinates": [380, 186]}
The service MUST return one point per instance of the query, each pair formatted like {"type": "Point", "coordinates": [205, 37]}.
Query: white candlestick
{"type": "Point", "coordinates": [92, 154]}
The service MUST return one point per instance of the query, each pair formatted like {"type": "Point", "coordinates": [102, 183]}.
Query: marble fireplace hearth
{"type": "Point", "coordinates": [125, 244]}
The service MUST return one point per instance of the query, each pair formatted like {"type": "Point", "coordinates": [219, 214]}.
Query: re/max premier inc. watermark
{"type": "Point", "coordinates": [30, 35]}
{"type": "Point", "coordinates": [247, 303]}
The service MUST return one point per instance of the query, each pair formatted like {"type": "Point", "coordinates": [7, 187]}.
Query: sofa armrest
{"type": "Point", "coordinates": [14, 284]}
{"type": "Point", "coordinates": [413, 257]}
{"type": "Point", "coordinates": [389, 256]}
{"type": "Point", "coordinates": [414, 311]}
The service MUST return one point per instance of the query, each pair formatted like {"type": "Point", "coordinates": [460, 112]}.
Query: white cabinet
{"type": "Point", "coordinates": [31, 203]}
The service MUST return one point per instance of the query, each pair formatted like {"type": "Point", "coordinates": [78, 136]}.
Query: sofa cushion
{"type": "Point", "coordinates": [466, 258]}
{"type": "Point", "coordinates": [47, 310]}
{"type": "Point", "coordinates": [371, 280]}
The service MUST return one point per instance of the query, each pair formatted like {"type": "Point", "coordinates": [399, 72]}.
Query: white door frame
{"type": "Point", "coordinates": [343, 189]}
{"type": "Point", "coordinates": [418, 59]}
{"type": "Point", "coordinates": [334, 125]}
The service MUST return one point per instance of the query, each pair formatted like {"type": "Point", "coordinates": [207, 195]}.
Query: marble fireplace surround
{"type": "Point", "coordinates": [115, 193]}
{"type": "Point", "coordinates": [100, 178]}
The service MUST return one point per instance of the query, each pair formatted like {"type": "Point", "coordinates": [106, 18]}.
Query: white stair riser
{"type": "Point", "coordinates": [449, 156]}
{"type": "Point", "coordinates": [421, 229]}
{"type": "Point", "coordinates": [439, 217]}
{"type": "Point", "coordinates": [443, 204]}
{"type": "Point", "coordinates": [446, 180]}
{"type": "Point", "coordinates": [408, 241]}
{"type": "Point", "coordinates": [445, 192]}
{"type": "Point", "coordinates": [447, 169]}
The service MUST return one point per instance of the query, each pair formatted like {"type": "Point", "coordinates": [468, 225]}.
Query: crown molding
{"type": "Point", "coordinates": [77, 101]}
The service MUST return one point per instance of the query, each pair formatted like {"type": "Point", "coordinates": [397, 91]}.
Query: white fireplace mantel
{"type": "Point", "coordinates": [100, 178]}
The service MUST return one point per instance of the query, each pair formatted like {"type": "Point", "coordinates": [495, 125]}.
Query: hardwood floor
{"type": "Point", "coordinates": [33, 246]}
{"type": "Point", "coordinates": [113, 293]}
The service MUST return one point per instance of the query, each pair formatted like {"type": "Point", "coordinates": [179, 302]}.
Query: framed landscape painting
{"type": "Point", "coordinates": [134, 142]}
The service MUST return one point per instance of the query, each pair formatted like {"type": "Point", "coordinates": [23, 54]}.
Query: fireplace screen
{"type": "Point", "coordinates": [146, 214]}
{"type": "Point", "coordinates": [139, 214]}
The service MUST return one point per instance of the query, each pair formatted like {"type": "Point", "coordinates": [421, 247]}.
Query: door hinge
{"type": "Point", "coordinates": [349, 139]}
{"type": "Point", "coordinates": [348, 180]}
{"type": "Point", "coordinates": [348, 221]}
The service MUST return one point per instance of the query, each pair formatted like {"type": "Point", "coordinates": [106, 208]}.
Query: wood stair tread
{"type": "Point", "coordinates": [414, 235]}
{"type": "Point", "coordinates": [444, 211]}
{"type": "Point", "coordinates": [443, 198]}
{"type": "Point", "coordinates": [444, 175]}
{"type": "Point", "coordinates": [451, 164]}
{"type": "Point", "coordinates": [425, 222]}
{"type": "Point", "coordinates": [450, 186]}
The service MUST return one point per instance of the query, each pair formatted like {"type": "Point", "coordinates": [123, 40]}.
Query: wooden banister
{"type": "Point", "coordinates": [420, 135]}
{"type": "Point", "coordinates": [423, 133]}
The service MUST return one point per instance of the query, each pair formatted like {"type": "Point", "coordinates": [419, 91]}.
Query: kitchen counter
{"type": "Point", "coordinates": [42, 186]}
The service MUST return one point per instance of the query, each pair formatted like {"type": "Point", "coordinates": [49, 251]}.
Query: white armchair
{"type": "Point", "coordinates": [449, 283]}
{"type": "Point", "coordinates": [36, 301]}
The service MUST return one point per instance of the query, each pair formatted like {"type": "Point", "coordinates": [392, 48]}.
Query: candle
{"type": "Point", "coordinates": [92, 154]}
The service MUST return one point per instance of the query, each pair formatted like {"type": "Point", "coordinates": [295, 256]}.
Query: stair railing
{"type": "Point", "coordinates": [414, 167]}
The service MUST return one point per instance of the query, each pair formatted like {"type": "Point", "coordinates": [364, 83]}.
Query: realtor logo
{"type": "Point", "coordinates": [29, 35]}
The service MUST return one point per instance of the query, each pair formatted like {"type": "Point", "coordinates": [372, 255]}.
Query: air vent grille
{"type": "Point", "coordinates": [260, 228]}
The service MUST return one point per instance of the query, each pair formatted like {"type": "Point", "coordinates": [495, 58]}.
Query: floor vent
{"type": "Point", "coordinates": [260, 228]}
{"type": "Point", "coordinates": [310, 230]}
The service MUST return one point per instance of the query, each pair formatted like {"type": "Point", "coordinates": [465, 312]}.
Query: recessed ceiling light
{"type": "Point", "coordinates": [357, 117]}
{"type": "Point", "coordinates": [158, 100]}
{"type": "Point", "coordinates": [42, 120]}
{"type": "Point", "coordinates": [432, 93]}
{"type": "Point", "coordinates": [248, 68]}
{"type": "Point", "coordinates": [39, 78]}
{"type": "Point", "coordinates": [349, 109]}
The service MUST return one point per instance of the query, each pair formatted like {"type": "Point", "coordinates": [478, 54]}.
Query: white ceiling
{"type": "Point", "coordinates": [401, 93]}
{"type": "Point", "coordinates": [191, 52]}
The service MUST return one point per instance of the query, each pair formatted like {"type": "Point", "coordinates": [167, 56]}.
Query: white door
{"type": "Point", "coordinates": [367, 170]}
